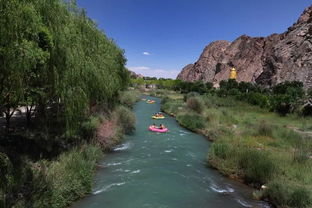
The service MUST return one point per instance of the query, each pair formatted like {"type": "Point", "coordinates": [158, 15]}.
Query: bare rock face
{"type": "Point", "coordinates": [266, 61]}
{"type": "Point", "coordinates": [185, 71]}
{"type": "Point", "coordinates": [135, 75]}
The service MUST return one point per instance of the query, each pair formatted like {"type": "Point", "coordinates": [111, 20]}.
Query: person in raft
{"type": "Point", "coordinates": [162, 126]}
{"type": "Point", "coordinates": [158, 114]}
{"type": "Point", "coordinates": [154, 126]}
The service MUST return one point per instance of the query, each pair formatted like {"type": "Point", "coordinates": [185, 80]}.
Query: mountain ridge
{"type": "Point", "coordinates": [263, 60]}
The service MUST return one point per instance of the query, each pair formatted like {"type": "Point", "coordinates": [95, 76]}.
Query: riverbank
{"type": "Point", "coordinates": [62, 172]}
{"type": "Point", "coordinates": [251, 144]}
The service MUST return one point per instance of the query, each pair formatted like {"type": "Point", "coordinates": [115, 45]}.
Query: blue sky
{"type": "Point", "coordinates": [161, 36]}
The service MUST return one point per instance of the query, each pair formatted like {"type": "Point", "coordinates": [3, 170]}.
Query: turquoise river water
{"type": "Point", "coordinates": [169, 170]}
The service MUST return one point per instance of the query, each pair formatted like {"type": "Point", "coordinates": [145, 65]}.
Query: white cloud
{"type": "Point", "coordinates": [159, 73]}
{"type": "Point", "coordinates": [146, 53]}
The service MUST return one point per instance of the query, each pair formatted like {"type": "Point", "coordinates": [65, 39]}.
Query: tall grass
{"type": "Point", "coordinates": [172, 107]}
{"type": "Point", "coordinates": [253, 144]}
{"type": "Point", "coordinates": [65, 180]}
{"type": "Point", "coordinates": [303, 150]}
{"type": "Point", "coordinates": [264, 129]}
{"type": "Point", "coordinates": [221, 150]}
{"type": "Point", "coordinates": [191, 121]}
{"type": "Point", "coordinates": [282, 194]}
{"type": "Point", "coordinates": [278, 193]}
{"type": "Point", "coordinates": [257, 166]}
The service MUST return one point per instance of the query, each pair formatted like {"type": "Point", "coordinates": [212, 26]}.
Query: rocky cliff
{"type": "Point", "coordinates": [263, 60]}
{"type": "Point", "coordinates": [135, 75]}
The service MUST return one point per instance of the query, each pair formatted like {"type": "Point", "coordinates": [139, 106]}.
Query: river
{"type": "Point", "coordinates": [169, 170]}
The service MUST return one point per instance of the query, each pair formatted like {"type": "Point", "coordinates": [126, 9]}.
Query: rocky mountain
{"type": "Point", "coordinates": [263, 60]}
{"type": "Point", "coordinates": [135, 75]}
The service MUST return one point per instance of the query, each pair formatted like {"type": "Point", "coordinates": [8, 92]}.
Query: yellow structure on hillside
{"type": "Point", "coordinates": [233, 74]}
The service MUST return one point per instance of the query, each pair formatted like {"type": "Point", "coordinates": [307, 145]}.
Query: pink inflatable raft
{"type": "Point", "coordinates": [151, 128]}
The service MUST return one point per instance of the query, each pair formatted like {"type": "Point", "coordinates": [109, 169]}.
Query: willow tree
{"type": "Point", "coordinates": [53, 57]}
{"type": "Point", "coordinates": [85, 67]}
{"type": "Point", "coordinates": [19, 51]}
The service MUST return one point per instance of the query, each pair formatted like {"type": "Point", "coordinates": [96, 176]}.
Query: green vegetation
{"type": "Point", "coordinates": [170, 84]}
{"type": "Point", "coordinates": [49, 183]}
{"type": "Point", "coordinates": [284, 98]}
{"type": "Point", "coordinates": [59, 183]}
{"type": "Point", "coordinates": [160, 83]}
{"type": "Point", "coordinates": [195, 104]}
{"type": "Point", "coordinates": [191, 121]}
{"type": "Point", "coordinates": [55, 60]}
{"type": "Point", "coordinates": [253, 144]}
{"type": "Point", "coordinates": [129, 98]}
{"type": "Point", "coordinates": [125, 119]}
{"type": "Point", "coordinates": [70, 78]}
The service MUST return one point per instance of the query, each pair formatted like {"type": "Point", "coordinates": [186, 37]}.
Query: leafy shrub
{"type": "Point", "coordinates": [246, 87]}
{"type": "Point", "coordinates": [128, 98]}
{"type": "Point", "coordinates": [172, 106]}
{"type": "Point", "coordinates": [222, 92]}
{"type": "Point", "coordinates": [196, 104]}
{"type": "Point", "coordinates": [191, 121]}
{"type": "Point", "coordinates": [164, 100]}
{"type": "Point", "coordinates": [282, 104]}
{"type": "Point", "coordinates": [229, 84]}
{"type": "Point", "coordinates": [209, 86]}
{"type": "Point", "coordinates": [199, 87]}
{"type": "Point", "coordinates": [126, 119]}
{"type": "Point", "coordinates": [286, 96]}
{"type": "Point", "coordinates": [257, 166]}
{"type": "Point", "coordinates": [189, 95]}
{"type": "Point", "coordinates": [209, 101]}
{"type": "Point", "coordinates": [306, 110]}
{"type": "Point", "coordinates": [185, 87]}
{"type": "Point", "coordinates": [293, 88]}
{"type": "Point", "coordinates": [12, 172]}
{"type": "Point", "coordinates": [153, 94]}
{"type": "Point", "coordinates": [259, 99]}
{"type": "Point", "coordinates": [108, 134]}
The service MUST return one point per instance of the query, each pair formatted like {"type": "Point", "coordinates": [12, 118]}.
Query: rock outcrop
{"type": "Point", "coordinates": [135, 75]}
{"type": "Point", "coordinates": [263, 60]}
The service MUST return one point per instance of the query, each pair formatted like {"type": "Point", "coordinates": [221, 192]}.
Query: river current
{"type": "Point", "coordinates": [163, 170]}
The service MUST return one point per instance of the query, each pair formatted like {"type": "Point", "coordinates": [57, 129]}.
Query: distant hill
{"type": "Point", "coordinates": [263, 60]}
